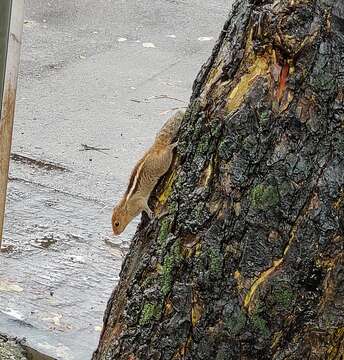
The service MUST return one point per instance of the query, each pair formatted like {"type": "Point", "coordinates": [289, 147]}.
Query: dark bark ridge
{"type": "Point", "coordinates": [248, 263]}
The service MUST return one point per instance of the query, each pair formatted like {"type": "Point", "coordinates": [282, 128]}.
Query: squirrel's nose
{"type": "Point", "coordinates": [116, 231]}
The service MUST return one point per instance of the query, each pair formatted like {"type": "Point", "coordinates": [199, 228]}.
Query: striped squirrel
{"type": "Point", "coordinates": [145, 175]}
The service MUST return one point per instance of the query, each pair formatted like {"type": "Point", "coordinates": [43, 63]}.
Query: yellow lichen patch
{"type": "Point", "coordinates": [223, 209]}
{"type": "Point", "coordinates": [308, 40]}
{"type": "Point", "coordinates": [168, 189]}
{"type": "Point", "coordinates": [214, 75]}
{"type": "Point", "coordinates": [336, 349]}
{"type": "Point", "coordinates": [168, 307]}
{"type": "Point", "coordinates": [328, 23]}
{"type": "Point", "coordinates": [187, 252]}
{"type": "Point", "coordinates": [181, 352]}
{"type": "Point", "coordinates": [198, 251]}
{"type": "Point", "coordinates": [237, 208]}
{"type": "Point", "coordinates": [315, 202]}
{"type": "Point", "coordinates": [215, 88]}
{"type": "Point", "coordinates": [330, 282]}
{"type": "Point", "coordinates": [259, 68]}
{"type": "Point", "coordinates": [214, 206]}
{"type": "Point", "coordinates": [237, 274]}
{"type": "Point", "coordinates": [266, 274]}
{"type": "Point", "coordinates": [215, 72]}
{"type": "Point", "coordinates": [276, 339]}
{"type": "Point", "coordinates": [197, 309]}
{"type": "Point", "coordinates": [339, 203]}
{"type": "Point", "coordinates": [328, 263]}
{"type": "Point", "coordinates": [188, 247]}
{"type": "Point", "coordinates": [329, 342]}
{"type": "Point", "coordinates": [262, 278]}
{"type": "Point", "coordinates": [291, 67]}
{"type": "Point", "coordinates": [292, 235]}
{"type": "Point", "coordinates": [206, 175]}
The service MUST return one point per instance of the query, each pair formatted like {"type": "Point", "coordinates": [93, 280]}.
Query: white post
{"type": "Point", "coordinates": [8, 99]}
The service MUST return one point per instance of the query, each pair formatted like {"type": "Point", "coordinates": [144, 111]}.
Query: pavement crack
{"type": "Point", "coordinates": [42, 164]}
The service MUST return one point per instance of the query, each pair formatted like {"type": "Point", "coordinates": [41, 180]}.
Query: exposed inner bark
{"type": "Point", "coordinates": [248, 262]}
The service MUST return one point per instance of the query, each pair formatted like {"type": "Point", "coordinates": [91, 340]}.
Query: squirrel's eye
{"type": "Point", "coordinates": [116, 223]}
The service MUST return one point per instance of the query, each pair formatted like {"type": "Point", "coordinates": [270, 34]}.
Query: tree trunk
{"type": "Point", "coordinates": [248, 263]}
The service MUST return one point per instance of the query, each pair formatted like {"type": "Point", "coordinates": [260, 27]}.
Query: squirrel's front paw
{"type": "Point", "coordinates": [149, 212]}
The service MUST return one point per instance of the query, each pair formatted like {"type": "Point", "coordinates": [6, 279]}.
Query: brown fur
{"type": "Point", "coordinates": [145, 176]}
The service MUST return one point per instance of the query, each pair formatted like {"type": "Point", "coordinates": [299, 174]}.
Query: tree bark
{"type": "Point", "coordinates": [248, 263]}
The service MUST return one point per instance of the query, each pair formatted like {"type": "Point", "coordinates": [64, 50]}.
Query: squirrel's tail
{"type": "Point", "coordinates": [169, 131]}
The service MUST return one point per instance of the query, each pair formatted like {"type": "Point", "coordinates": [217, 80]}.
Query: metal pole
{"type": "Point", "coordinates": [5, 16]}
{"type": "Point", "coordinates": [11, 27]}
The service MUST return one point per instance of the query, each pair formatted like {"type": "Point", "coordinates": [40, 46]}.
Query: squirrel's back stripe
{"type": "Point", "coordinates": [134, 179]}
{"type": "Point", "coordinates": [164, 138]}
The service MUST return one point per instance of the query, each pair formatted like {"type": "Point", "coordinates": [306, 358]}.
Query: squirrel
{"type": "Point", "coordinates": [145, 175]}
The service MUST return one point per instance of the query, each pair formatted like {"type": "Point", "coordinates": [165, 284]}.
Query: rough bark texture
{"type": "Point", "coordinates": [248, 263]}
{"type": "Point", "coordinates": [10, 349]}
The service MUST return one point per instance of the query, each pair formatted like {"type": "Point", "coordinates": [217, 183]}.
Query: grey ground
{"type": "Point", "coordinates": [80, 85]}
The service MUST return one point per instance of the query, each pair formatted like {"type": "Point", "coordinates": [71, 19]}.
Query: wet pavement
{"type": "Point", "coordinates": [94, 75]}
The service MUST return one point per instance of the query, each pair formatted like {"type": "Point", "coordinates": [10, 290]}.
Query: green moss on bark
{"type": "Point", "coordinates": [150, 312]}
{"type": "Point", "coordinates": [263, 197]}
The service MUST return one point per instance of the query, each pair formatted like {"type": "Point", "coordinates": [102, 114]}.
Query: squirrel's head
{"type": "Point", "coordinates": [120, 220]}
